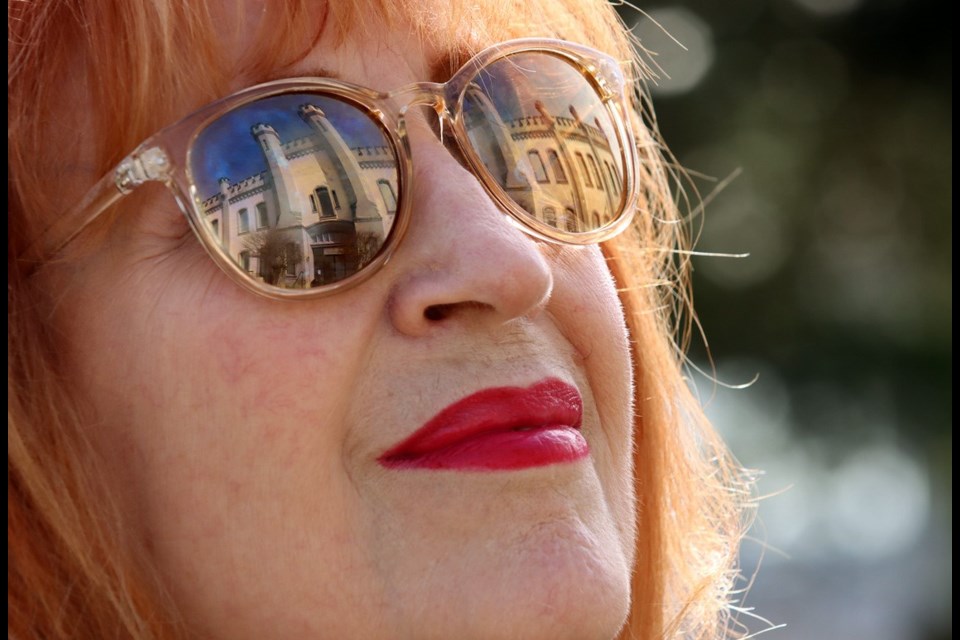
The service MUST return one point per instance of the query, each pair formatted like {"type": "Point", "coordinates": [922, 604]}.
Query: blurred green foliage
{"type": "Point", "coordinates": [840, 123]}
{"type": "Point", "coordinates": [834, 118]}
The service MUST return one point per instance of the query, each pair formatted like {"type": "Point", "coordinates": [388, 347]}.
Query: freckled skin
{"type": "Point", "coordinates": [242, 434]}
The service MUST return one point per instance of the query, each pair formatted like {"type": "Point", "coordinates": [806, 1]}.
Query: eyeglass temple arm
{"type": "Point", "coordinates": [146, 163]}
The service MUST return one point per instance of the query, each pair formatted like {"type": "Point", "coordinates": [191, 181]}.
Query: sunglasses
{"type": "Point", "coordinates": [299, 188]}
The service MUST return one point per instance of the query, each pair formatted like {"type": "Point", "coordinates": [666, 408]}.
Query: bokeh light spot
{"type": "Point", "coordinates": [829, 7]}
{"type": "Point", "coordinates": [680, 70]}
{"type": "Point", "coordinates": [879, 503]}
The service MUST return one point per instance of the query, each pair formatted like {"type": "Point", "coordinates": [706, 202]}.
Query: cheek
{"type": "Point", "coordinates": [589, 313]}
{"type": "Point", "coordinates": [223, 430]}
{"type": "Point", "coordinates": [269, 364]}
{"type": "Point", "coordinates": [587, 306]}
{"type": "Point", "coordinates": [201, 406]}
{"type": "Point", "coordinates": [587, 309]}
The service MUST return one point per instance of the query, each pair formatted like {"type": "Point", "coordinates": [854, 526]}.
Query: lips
{"type": "Point", "coordinates": [498, 429]}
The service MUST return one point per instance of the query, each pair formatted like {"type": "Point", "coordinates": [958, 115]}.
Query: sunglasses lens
{"type": "Point", "coordinates": [547, 140]}
{"type": "Point", "coordinates": [298, 190]}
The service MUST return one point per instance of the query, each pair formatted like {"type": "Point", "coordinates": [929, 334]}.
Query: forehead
{"type": "Point", "coordinates": [386, 43]}
{"type": "Point", "coordinates": [123, 91]}
{"type": "Point", "coordinates": [382, 58]}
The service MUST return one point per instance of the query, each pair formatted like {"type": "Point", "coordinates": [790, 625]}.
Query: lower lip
{"type": "Point", "coordinates": [503, 450]}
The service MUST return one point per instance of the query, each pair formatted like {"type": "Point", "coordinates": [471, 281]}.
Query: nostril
{"type": "Point", "coordinates": [436, 312]}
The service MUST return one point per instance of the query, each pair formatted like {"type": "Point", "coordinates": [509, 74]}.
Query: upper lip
{"type": "Point", "coordinates": [550, 402]}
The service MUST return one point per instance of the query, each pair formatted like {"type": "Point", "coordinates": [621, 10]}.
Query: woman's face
{"type": "Point", "coordinates": [245, 436]}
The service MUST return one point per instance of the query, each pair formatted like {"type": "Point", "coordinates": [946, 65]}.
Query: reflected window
{"type": "Point", "coordinates": [550, 216]}
{"type": "Point", "coordinates": [293, 252]}
{"type": "Point", "coordinates": [244, 216]}
{"type": "Point", "coordinates": [326, 205]}
{"type": "Point", "coordinates": [244, 259]}
{"type": "Point", "coordinates": [596, 173]}
{"type": "Point", "coordinates": [215, 225]}
{"type": "Point", "coordinates": [558, 173]}
{"type": "Point", "coordinates": [388, 195]}
{"type": "Point", "coordinates": [615, 179]}
{"type": "Point", "coordinates": [313, 203]}
{"type": "Point", "coordinates": [336, 200]}
{"type": "Point", "coordinates": [570, 223]}
{"type": "Point", "coordinates": [539, 170]}
{"type": "Point", "coordinates": [262, 220]}
{"type": "Point", "coordinates": [583, 169]}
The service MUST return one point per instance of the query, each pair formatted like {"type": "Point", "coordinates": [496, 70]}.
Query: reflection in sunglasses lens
{"type": "Point", "coordinates": [299, 190]}
{"type": "Point", "coordinates": [547, 139]}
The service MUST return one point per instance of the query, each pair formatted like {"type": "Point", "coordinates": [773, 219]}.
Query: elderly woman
{"type": "Point", "coordinates": [348, 320]}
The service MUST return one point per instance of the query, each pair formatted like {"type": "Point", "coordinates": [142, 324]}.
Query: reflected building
{"type": "Point", "coordinates": [560, 168]}
{"type": "Point", "coordinates": [317, 213]}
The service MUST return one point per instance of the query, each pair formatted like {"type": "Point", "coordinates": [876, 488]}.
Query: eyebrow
{"type": "Point", "coordinates": [441, 69]}
{"type": "Point", "coordinates": [447, 64]}
{"type": "Point", "coordinates": [309, 72]}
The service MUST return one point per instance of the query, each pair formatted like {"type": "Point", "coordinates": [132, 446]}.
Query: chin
{"type": "Point", "coordinates": [568, 582]}
{"type": "Point", "coordinates": [561, 581]}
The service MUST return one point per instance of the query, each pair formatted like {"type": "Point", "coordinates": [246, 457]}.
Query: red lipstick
{"type": "Point", "coordinates": [498, 429]}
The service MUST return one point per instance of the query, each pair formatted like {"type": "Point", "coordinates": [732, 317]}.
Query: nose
{"type": "Point", "coordinates": [462, 260]}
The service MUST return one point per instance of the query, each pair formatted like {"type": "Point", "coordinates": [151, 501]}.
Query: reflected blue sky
{"type": "Point", "coordinates": [226, 147]}
{"type": "Point", "coordinates": [515, 84]}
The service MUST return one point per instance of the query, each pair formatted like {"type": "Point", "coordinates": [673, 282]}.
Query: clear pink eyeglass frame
{"type": "Point", "coordinates": [163, 157]}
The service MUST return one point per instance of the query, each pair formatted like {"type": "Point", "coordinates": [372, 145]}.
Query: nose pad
{"type": "Point", "coordinates": [439, 122]}
{"type": "Point", "coordinates": [420, 94]}
{"type": "Point", "coordinates": [432, 95]}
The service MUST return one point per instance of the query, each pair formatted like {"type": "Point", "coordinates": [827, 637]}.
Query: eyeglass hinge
{"type": "Point", "coordinates": [609, 77]}
{"type": "Point", "coordinates": [142, 166]}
